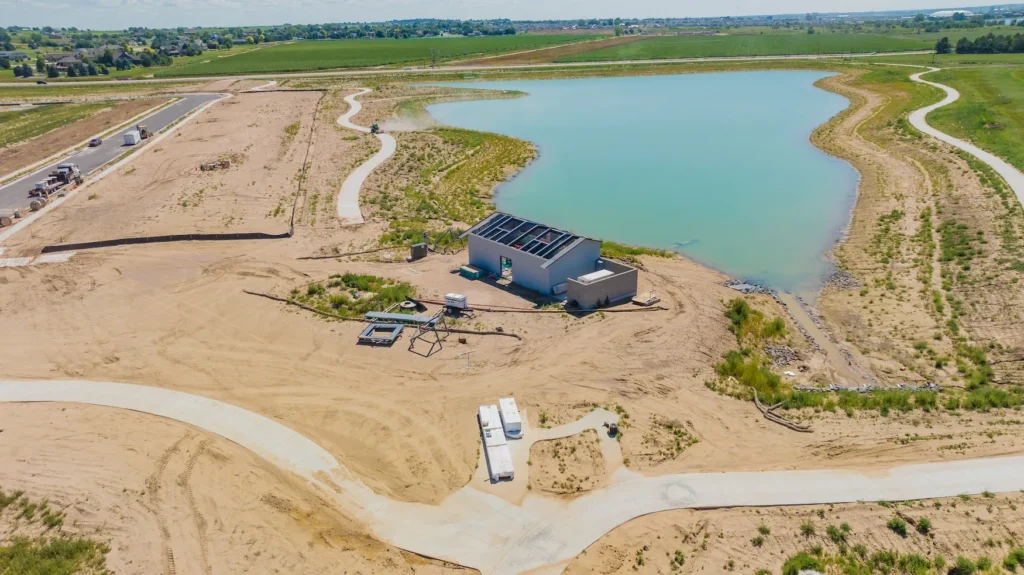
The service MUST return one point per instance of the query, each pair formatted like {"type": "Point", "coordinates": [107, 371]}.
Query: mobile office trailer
{"type": "Point", "coordinates": [132, 138]}
{"type": "Point", "coordinates": [511, 421]}
{"type": "Point", "coordinates": [499, 459]}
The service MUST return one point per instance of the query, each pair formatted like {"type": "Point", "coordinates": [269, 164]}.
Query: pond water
{"type": "Point", "coordinates": [717, 166]}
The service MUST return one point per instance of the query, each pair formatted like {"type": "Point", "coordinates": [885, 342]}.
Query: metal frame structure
{"type": "Point", "coordinates": [423, 331]}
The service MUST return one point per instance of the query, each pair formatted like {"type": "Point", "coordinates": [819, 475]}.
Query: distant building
{"type": "Point", "coordinates": [13, 55]}
{"type": "Point", "coordinates": [66, 62]}
{"type": "Point", "coordinates": [127, 57]}
{"type": "Point", "coordinates": [951, 13]}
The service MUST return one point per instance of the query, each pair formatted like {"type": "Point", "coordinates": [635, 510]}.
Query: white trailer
{"type": "Point", "coordinates": [511, 421]}
{"type": "Point", "coordinates": [499, 459]}
{"type": "Point", "coordinates": [132, 138]}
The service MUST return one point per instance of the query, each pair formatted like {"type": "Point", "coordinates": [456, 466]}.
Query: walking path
{"type": "Point", "coordinates": [483, 531]}
{"type": "Point", "coordinates": [348, 197]}
{"type": "Point", "coordinates": [918, 119]}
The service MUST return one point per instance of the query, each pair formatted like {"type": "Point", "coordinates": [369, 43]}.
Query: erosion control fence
{"type": "Point", "coordinates": [166, 239]}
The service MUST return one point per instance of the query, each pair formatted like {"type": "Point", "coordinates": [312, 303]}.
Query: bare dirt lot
{"type": "Point", "coordinates": [264, 136]}
{"type": "Point", "coordinates": [31, 151]}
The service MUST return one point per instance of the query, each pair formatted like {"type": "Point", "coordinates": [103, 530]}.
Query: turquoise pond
{"type": "Point", "coordinates": [717, 166]}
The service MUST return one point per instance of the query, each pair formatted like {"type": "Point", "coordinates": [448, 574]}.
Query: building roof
{"type": "Point", "coordinates": [536, 239]}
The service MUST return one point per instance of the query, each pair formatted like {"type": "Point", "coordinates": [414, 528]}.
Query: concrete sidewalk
{"type": "Point", "coordinates": [918, 119]}
{"type": "Point", "coordinates": [348, 197]}
{"type": "Point", "coordinates": [480, 530]}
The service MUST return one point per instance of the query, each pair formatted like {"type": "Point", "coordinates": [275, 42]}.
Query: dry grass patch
{"type": "Point", "coordinates": [569, 466]}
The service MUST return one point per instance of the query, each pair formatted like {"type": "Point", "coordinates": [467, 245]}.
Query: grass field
{"type": "Point", "coordinates": [32, 93]}
{"type": "Point", "coordinates": [663, 47]}
{"type": "Point", "coordinates": [324, 55]}
{"type": "Point", "coordinates": [19, 126]}
{"type": "Point", "coordinates": [990, 111]}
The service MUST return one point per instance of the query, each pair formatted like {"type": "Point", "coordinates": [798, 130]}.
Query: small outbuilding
{"type": "Point", "coordinates": [548, 260]}
{"type": "Point", "coordinates": [499, 459]}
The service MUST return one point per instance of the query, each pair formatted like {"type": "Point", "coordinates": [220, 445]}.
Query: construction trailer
{"type": "Point", "coordinates": [549, 261]}
{"type": "Point", "coordinates": [499, 459]}
{"type": "Point", "coordinates": [131, 138]}
{"type": "Point", "coordinates": [511, 421]}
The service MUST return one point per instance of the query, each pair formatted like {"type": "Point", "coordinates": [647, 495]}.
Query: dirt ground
{"type": "Point", "coordinates": [171, 499]}
{"type": "Point", "coordinates": [176, 316]}
{"type": "Point", "coordinates": [722, 541]}
{"type": "Point", "coordinates": [264, 136]}
{"type": "Point", "coordinates": [571, 466]}
{"type": "Point", "coordinates": [31, 151]}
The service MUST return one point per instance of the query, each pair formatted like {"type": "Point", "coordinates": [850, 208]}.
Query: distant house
{"type": "Point", "coordinates": [54, 56]}
{"type": "Point", "coordinates": [66, 62]}
{"type": "Point", "coordinates": [13, 55]}
{"type": "Point", "coordinates": [127, 57]}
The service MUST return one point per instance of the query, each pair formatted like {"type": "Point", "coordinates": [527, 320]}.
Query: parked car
{"type": "Point", "coordinates": [41, 82]}
{"type": "Point", "coordinates": [95, 142]}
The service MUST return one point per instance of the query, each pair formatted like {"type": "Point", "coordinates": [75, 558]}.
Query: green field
{"type": "Point", "coordinates": [328, 54]}
{"type": "Point", "coordinates": [990, 111]}
{"type": "Point", "coordinates": [663, 47]}
{"type": "Point", "coordinates": [18, 126]}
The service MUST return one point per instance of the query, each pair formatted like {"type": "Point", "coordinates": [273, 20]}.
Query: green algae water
{"type": "Point", "coordinates": [716, 166]}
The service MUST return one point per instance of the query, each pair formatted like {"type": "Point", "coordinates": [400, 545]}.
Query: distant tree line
{"type": "Point", "coordinates": [988, 44]}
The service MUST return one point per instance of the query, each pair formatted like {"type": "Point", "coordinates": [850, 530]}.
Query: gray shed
{"type": "Point", "coordinates": [536, 256]}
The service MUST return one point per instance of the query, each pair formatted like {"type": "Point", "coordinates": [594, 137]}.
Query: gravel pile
{"type": "Point", "coordinates": [781, 354]}
{"type": "Point", "coordinates": [842, 280]}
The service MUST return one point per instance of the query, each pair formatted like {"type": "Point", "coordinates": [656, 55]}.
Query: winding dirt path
{"type": "Point", "coordinates": [348, 197]}
{"type": "Point", "coordinates": [918, 119]}
{"type": "Point", "coordinates": [483, 531]}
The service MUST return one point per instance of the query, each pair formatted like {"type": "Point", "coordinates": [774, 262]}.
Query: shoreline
{"type": "Point", "coordinates": [831, 264]}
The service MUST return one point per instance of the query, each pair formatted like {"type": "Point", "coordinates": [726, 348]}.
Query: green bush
{"type": "Point", "coordinates": [1014, 558]}
{"type": "Point", "coordinates": [897, 526]}
{"type": "Point", "coordinates": [753, 373]}
{"type": "Point", "coordinates": [924, 526]}
{"type": "Point", "coordinates": [807, 529]}
{"type": "Point", "coordinates": [802, 561]}
{"type": "Point", "coordinates": [963, 566]}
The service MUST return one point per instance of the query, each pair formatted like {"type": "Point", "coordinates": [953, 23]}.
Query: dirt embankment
{"type": "Point", "coordinates": [748, 540]}
{"type": "Point", "coordinates": [31, 151]}
{"type": "Point", "coordinates": [932, 244]}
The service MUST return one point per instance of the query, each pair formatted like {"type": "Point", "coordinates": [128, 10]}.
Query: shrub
{"type": "Point", "coordinates": [757, 541]}
{"type": "Point", "coordinates": [764, 530]}
{"type": "Point", "coordinates": [963, 566]}
{"type": "Point", "coordinates": [924, 526]}
{"type": "Point", "coordinates": [835, 534]}
{"type": "Point", "coordinates": [738, 312]}
{"type": "Point", "coordinates": [807, 529]}
{"type": "Point", "coordinates": [1015, 558]}
{"type": "Point", "coordinates": [897, 526]}
{"type": "Point", "coordinates": [800, 562]}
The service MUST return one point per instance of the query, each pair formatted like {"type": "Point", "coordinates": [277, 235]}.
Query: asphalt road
{"type": "Point", "coordinates": [458, 68]}
{"type": "Point", "coordinates": [15, 194]}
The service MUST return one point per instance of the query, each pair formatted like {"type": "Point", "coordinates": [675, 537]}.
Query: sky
{"type": "Point", "coordinates": [120, 14]}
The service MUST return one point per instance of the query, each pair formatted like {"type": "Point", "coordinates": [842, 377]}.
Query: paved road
{"type": "Point", "coordinates": [348, 197]}
{"type": "Point", "coordinates": [918, 119]}
{"type": "Point", "coordinates": [15, 194]}
{"type": "Point", "coordinates": [456, 68]}
{"type": "Point", "coordinates": [542, 535]}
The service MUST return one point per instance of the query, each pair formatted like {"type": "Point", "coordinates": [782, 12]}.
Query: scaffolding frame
{"type": "Point", "coordinates": [429, 332]}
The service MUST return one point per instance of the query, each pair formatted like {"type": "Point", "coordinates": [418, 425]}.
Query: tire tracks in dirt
{"type": "Point", "coordinates": [153, 490]}
{"type": "Point", "coordinates": [197, 516]}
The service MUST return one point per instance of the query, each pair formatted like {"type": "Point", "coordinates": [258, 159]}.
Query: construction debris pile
{"type": "Point", "coordinates": [781, 354]}
{"type": "Point", "coordinates": [213, 166]}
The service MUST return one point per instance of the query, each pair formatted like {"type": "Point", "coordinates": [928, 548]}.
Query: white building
{"type": "Point", "coordinates": [951, 13]}
{"type": "Point", "coordinates": [499, 459]}
{"type": "Point", "coordinates": [510, 419]}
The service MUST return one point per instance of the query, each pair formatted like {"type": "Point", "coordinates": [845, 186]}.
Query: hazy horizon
{"type": "Point", "coordinates": [120, 14]}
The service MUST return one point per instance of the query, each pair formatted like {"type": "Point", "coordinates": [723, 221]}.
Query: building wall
{"type": "Point", "coordinates": [526, 268]}
{"type": "Point", "coordinates": [581, 260]}
{"type": "Point", "coordinates": [616, 288]}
